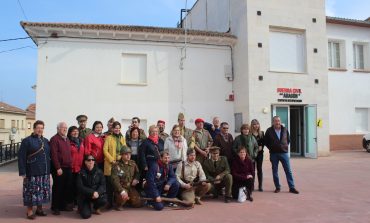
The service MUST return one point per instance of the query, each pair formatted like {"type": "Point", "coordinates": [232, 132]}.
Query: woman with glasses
{"type": "Point", "coordinates": [91, 187]}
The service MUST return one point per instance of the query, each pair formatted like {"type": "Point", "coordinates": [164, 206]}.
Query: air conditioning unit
{"type": "Point", "coordinates": [228, 72]}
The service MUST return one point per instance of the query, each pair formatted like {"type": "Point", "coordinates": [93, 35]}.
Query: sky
{"type": "Point", "coordinates": [18, 59]}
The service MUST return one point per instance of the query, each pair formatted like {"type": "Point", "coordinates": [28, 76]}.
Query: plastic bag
{"type": "Point", "coordinates": [242, 197]}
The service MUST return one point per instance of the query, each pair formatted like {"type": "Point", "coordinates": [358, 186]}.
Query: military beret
{"type": "Point", "coordinates": [81, 118]}
{"type": "Point", "coordinates": [161, 121]}
{"type": "Point", "coordinates": [125, 149]}
{"type": "Point", "coordinates": [214, 149]}
{"type": "Point", "coordinates": [181, 116]}
{"type": "Point", "coordinates": [190, 151]}
{"type": "Point", "coordinates": [199, 120]}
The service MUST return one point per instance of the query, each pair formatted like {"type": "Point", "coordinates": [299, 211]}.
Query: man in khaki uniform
{"type": "Point", "coordinates": [125, 176]}
{"type": "Point", "coordinates": [188, 173]}
{"type": "Point", "coordinates": [203, 141]}
{"type": "Point", "coordinates": [217, 170]}
{"type": "Point", "coordinates": [185, 132]}
{"type": "Point", "coordinates": [161, 126]}
{"type": "Point", "coordinates": [83, 131]}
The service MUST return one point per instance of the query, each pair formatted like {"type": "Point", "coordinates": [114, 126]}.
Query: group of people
{"type": "Point", "coordinates": [96, 170]}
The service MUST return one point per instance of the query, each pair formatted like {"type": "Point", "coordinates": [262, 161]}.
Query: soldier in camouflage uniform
{"type": "Point", "coordinates": [125, 176]}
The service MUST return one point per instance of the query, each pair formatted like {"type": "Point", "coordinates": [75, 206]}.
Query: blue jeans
{"type": "Point", "coordinates": [284, 159]}
{"type": "Point", "coordinates": [172, 193]}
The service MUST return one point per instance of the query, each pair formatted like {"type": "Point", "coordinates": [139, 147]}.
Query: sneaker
{"type": "Point", "coordinates": [293, 191]}
{"type": "Point", "coordinates": [277, 190]}
{"type": "Point", "coordinates": [172, 205]}
{"type": "Point", "coordinates": [198, 201]}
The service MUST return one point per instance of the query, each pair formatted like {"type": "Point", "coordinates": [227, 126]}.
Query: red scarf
{"type": "Point", "coordinates": [154, 138]}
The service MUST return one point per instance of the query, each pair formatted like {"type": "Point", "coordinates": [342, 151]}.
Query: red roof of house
{"type": "Point", "coordinates": [10, 109]}
{"type": "Point", "coordinates": [31, 111]}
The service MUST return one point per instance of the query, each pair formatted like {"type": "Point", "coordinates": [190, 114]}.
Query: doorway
{"type": "Point", "coordinates": [300, 120]}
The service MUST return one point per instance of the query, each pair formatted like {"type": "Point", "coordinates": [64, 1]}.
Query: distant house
{"type": "Point", "coordinates": [12, 124]}
{"type": "Point", "coordinates": [30, 118]}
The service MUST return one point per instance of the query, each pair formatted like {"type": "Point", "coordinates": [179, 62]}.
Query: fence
{"type": "Point", "coordinates": [9, 152]}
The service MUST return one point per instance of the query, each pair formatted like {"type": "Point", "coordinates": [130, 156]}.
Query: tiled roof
{"type": "Point", "coordinates": [31, 111]}
{"type": "Point", "coordinates": [350, 22]}
{"type": "Point", "coordinates": [111, 27]}
{"type": "Point", "coordinates": [10, 109]}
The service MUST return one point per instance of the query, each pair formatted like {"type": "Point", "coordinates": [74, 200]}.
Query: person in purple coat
{"type": "Point", "coordinates": [242, 171]}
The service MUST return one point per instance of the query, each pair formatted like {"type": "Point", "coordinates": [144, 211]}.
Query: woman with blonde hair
{"type": "Point", "coordinates": [256, 132]}
{"type": "Point", "coordinates": [176, 145]}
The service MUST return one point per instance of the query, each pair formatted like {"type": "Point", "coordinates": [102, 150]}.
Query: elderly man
{"type": "Point", "coordinates": [192, 179]}
{"type": "Point", "coordinates": [225, 141]}
{"type": "Point", "coordinates": [161, 180]}
{"type": "Point", "coordinates": [135, 122]}
{"type": "Point", "coordinates": [217, 170]}
{"type": "Point", "coordinates": [277, 141]}
{"type": "Point", "coordinates": [61, 171]}
{"type": "Point", "coordinates": [203, 140]}
{"type": "Point", "coordinates": [185, 132]}
{"type": "Point", "coordinates": [82, 120]}
{"type": "Point", "coordinates": [161, 126]}
{"type": "Point", "coordinates": [125, 176]}
{"type": "Point", "coordinates": [213, 128]}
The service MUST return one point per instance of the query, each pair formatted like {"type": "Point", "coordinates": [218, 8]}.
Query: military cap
{"type": "Point", "coordinates": [214, 149]}
{"type": "Point", "coordinates": [125, 149]}
{"type": "Point", "coordinates": [161, 121]}
{"type": "Point", "coordinates": [181, 116]}
{"type": "Point", "coordinates": [199, 120]}
{"type": "Point", "coordinates": [190, 151]}
{"type": "Point", "coordinates": [81, 118]}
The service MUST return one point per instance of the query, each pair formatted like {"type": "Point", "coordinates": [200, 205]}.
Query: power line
{"type": "Point", "coordinates": [20, 5]}
{"type": "Point", "coordinates": [19, 48]}
{"type": "Point", "coordinates": [20, 38]}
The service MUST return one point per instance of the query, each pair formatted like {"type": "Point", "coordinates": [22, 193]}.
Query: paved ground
{"type": "Point", "coordinates": [333, 189]}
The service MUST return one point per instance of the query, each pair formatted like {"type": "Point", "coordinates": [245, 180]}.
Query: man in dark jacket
{"type": "Point", "coordinates": [90, 184]}
{"type": "Point", "coordinates": [277, 141]}
{"type": "Point", "coordinates": [161, 179]}
{"type": "Point", "coordinates": [61, 171]}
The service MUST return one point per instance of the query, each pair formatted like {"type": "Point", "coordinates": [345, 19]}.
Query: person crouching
{"type": "Point", "coordinates": [91, 188]}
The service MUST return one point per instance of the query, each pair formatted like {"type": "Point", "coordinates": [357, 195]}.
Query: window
{"type": "Point", "coordinates": [287, 50]}
{"type": "Point", "coordinates": [13, 123]}
{"type": "Point", "coordinates": [17, 124]}
{"type": "Point", "coordinates": [362, 119]}
{"type": "Point", "coordinates": [22, 124]}
{"type": "Point", "coordinates": [2, 123]}
{"type": "Point", "coordinates": [334, 55]}
{"type": "Point", "coordinates": [358, 56]}
{"type": "Point", "coordinates": [29, 125]}
{"type": "Point", "coordinates": [134, 69]}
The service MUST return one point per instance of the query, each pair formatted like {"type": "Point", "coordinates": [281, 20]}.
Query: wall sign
{"type": "Point", "coordinates": [289, 94]}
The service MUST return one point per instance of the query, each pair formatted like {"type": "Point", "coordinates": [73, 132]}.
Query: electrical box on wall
{"type": "Point", "coordinates": [228, 73]}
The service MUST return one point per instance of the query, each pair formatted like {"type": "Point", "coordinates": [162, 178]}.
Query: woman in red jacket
{"type": "Point", "coordinates": [77, 154]}
{"type": "Point", "coordinates": [94, 144]}
{"type": "Point", "coordinates": [242, 171]}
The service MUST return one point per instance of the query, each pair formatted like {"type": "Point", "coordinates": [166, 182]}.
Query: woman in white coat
{"type": "Point", "coordinates": [176, 145]}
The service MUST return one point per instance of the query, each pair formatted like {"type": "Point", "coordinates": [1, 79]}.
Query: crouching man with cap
{"type": "Point", "coordinates": [192, 179]}
{"type": "Point", "coordinates": [217, 170]}
{"type": "Point", "coordinates": [125, 176]}
{"type": "Point", "coordinates": [160, 180]}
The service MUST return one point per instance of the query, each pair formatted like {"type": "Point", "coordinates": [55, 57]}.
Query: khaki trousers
{"type": "Point", "coordinates": [197, 191]}
{"type": "Point", "coordinates": [134, 200]}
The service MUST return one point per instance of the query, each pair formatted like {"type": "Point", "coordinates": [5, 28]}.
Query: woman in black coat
{"type": "Point", "coordinates": [150, 149]}
{"type": "Point", "coordinates": [91, 188]}
{"type": "Point", "coordinates": [34, 167]}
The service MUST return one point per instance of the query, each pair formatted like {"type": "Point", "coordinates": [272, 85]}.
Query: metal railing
{"type": "Point", "coordinates": [9, 152]}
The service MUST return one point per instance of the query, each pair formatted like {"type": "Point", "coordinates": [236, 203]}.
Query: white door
{"type": "Point", "coordinates": [310, 130]}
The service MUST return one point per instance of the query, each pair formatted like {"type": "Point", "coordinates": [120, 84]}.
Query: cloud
{"type": "Point", "coordinates": [330, 7]}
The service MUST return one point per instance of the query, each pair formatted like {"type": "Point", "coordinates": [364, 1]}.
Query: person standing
{"type": "Point", "coordinates": [112, 146]}
{"type": "Point", "coordinates": [203, 140]}
{"type": "Point", "coordinates": [277, 141]}
{"type": "Point", "coordinates": [82, 121]}
{"type": "Point", "coordinates": [161, 180]}
{"type": "Point", "coordinates": [125, 177]}
{"type": "Point", "coordinates": [185, 132]}
{"type": "Point", "coordinates": [135, 122]}
{"type": "Point", "coordinates": [213, 128]}
{"type": "Point", "coordinates": [258, 135]}
{"type": "Point", "coordinates": [217, 170]}
{"type": "Point", "coordinates": [225, 141]}
{"type": "Point", "coordinates": [94, 144]}
{"type": "Point", "coordinates": [77, 153]}
{"type": "Point", "coordinates": [161, 126]}
{"type": "Point", "coordinates": [176, 146]}
{"type": "Point", "coordinates": [242, 171]}
{"type": "Point", "coordinates": [109, 126]}
{"type": "Point", "coordinates": [61, 158]}
{"type": "Point", "coordinates": [134, 144]}
{"type": "Point", "coordinates": [192, 179]}
{"type": "Point", "coordinates": [90, 183]}
{"type": "Point", "coordinates": [34, 168]}
{"type": "Point", "coordinates": [150, 149]}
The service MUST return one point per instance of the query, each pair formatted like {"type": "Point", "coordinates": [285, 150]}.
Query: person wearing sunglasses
{"type": "Point", "coordinates": [91, 188]}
